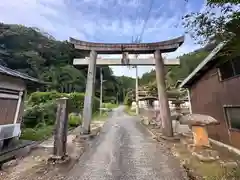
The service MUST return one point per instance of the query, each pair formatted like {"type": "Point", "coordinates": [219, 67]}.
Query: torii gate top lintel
{"type": "Point", "coordinates": [135, 48]}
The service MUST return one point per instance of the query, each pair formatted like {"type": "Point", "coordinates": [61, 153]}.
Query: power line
{"type": "Point", "coordinates": [139, 38]}
{"type": "Point", "coordinates": [136, 15]}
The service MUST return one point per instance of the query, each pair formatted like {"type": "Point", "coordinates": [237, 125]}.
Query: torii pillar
{"type": "Point", "coordinates": [162, 95]}
{"type": "Point", "coordinates": [89, 93]}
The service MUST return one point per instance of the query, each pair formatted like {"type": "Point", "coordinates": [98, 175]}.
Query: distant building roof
{"type": "Point", "coordinates": [202, 66]}
{"type": "Point", "coordinates": [148, 98]}
{"type": "Point", "coordinates": [178, 83]}
{"type": "Point", "coordinates": [14, 73]}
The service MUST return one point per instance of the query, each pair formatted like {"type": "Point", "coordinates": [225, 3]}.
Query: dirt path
{"type": "Point", "coordinates": [35, 166]}
{"type": "Point", "coordinates": [125, 150]}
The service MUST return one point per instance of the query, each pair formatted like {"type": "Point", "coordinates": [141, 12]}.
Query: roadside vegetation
{"type": "Point", "coordinates": [100, 117]}
{"type": "Point", "coordinates": [225, 168]}
{"type": "Point", "coordinates": [40, 113]}
{"type": "Point", "coordinates": [36, 53]}
{"type": "Point", "coordinates": [129, 111]}
{"type": "Point", "coordinates": [110, 105]}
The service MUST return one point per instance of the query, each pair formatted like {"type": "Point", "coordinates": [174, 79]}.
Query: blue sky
{"type": "Point", "coordinates": [105, 20]}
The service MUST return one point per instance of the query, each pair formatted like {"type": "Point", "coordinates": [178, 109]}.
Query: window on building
{"type": "Point", "coordinates": [226, 70]}
{"type": "Point", "coordinates": [236, 65]}
{"type": "Point", "coordinates": [230, 68]}
{"type": "Point", "coordinates": [233, 117]}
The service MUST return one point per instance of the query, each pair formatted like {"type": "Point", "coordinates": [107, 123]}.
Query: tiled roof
{"type": "Point", "coordinates": [13, 73]}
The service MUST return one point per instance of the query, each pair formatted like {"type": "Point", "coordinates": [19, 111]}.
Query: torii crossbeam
{"type": "Point", "coordinates": [117, 62]}
{"type": "Point", "coordinates": [156, 48]}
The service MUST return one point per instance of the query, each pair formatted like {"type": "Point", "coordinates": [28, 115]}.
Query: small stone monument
{"type": "Point", "coordinates": [198, 124]}
{"type": "Point", "coordinates": [201, 146]}
{"type": "Point", "coordinates": [60, 134]}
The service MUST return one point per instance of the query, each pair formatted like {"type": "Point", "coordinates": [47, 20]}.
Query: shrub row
{"type": "Point", "coordinates": [41, 107]}
{"type": "Point", "coordinates": [110, 105]}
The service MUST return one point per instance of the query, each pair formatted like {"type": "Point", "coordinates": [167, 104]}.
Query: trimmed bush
{"type": "Point", "coordinates": [128, 101]}
{"type": "Point", "coordinates": [37, 98]}
{"type": "Point", "coordinates": [42, 107]}
{"type": "Point", "coordinates": [74, 120]}
{"type": "Point", "coordinates": [77, 102]}
{"type": "Point", "coordinates": [44, 113]}
{"type": "Point", "coordinates": [76, 99]}
{"type": "Point", "coordinates": [110, 105]}
{"type": "Point", "coordinates": [111, 99]}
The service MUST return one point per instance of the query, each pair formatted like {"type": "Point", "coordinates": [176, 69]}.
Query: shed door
{"type": "Point", "coordinates": [8, 105]}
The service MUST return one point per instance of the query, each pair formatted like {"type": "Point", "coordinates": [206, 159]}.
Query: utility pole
{"type": "Point", "coordinates": [123, 93]}
{"type": "Point", "coordinates": [88, 99]}
{"type": "Point", "coordinates": [136, 91]}
{"type": "Point", "coordinates": [117, 99]}
{"type": "Point", "coordinates": [138, 40]}
{"type": "Point", "coordinates": [101, 90]}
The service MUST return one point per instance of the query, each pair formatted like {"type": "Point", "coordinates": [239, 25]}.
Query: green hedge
{"type": "Point", "coordinates": [77, 102]}
{"type": "Point", "coordinates": [37, 98]}
{"type": "Point", "coordinates": [42, 106]}
{"type": "Point", "coordinates": [110, 99]}
{"type": "Point", "coordinates": [110, 105]}
{"type": "Point", "coordinates": [76, 99]}
{"type": "Point", "coordinates": [44, 113]}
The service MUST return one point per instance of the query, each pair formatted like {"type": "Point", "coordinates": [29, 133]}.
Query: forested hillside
{"type": "Point", "coordinates": [206, 27]}
{"type": "Point", "coordinates": [188, 62]}
{"type": "Point", "coordinates": [38, 54]}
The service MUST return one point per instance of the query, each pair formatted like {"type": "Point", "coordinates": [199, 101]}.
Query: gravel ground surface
{"type": "Point", "coordinates": [126, 151]}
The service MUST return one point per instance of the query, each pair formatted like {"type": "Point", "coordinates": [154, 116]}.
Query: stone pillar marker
{"type": "Point", "coordinates": [162, 95]}
{"type": "Point", "coordinates": [61, 126]}
{"type": "Point", "coordinates": [89, 93]}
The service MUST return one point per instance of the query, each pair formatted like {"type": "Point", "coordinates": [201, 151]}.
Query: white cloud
{"type": "Point", "coordinates": [27, 12]}
{"type": "Point", "coordinates": [99, 20]}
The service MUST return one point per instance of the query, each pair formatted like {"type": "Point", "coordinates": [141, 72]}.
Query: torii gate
{"type": "Point", "coordinates": [156, 48]}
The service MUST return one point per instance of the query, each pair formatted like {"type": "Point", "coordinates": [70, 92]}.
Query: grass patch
{"type": "Point", "coordinates": [205, 170]}
{"type": "Point", "coordinates": [129, 111]}
{"type": "Point", "coordinates": [110, 105]}
{"type": "Point", "coordinates": [98, 117]}
{"type": "Point", "coordinates": [42, 131]}
{"type": "Point", "coordinates": [37, 134]}
{"type": "Point", "coordinates": [198, 170]}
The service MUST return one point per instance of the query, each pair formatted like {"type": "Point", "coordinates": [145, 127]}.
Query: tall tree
{"type": "Point", "coordinates": [220, 21]}
{"type": "Point", "coordinates": [38, 54]}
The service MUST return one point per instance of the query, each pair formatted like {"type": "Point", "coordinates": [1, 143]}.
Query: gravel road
{"type": "Point", "coordinates": [126, 151]}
